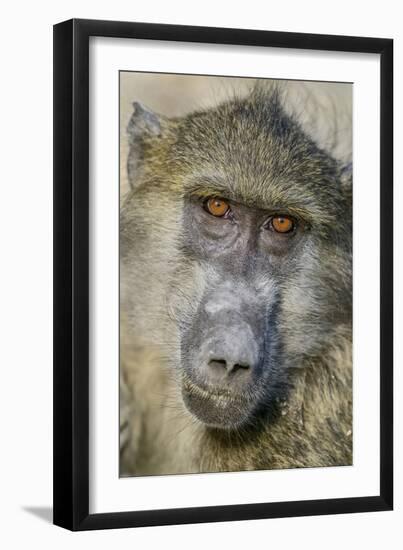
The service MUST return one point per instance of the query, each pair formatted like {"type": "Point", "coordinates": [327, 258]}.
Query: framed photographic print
{"type": "Point", "coordinates": [223, 274]}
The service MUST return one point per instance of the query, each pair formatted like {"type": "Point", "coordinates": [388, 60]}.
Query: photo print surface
{"type": "Point", "coordinates": [235, 274]}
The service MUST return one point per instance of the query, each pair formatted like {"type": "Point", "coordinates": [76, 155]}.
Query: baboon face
{"type": "Point", "coordinates": [261, 256]}
{"type": "Point", "coordinates": [231, 348]}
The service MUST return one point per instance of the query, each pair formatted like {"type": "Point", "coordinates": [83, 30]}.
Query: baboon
{"type": "Point", "coordinates": [236, 312]}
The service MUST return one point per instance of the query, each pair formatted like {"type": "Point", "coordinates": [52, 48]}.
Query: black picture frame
{"type": "Point", "coordinates": [71, 274]}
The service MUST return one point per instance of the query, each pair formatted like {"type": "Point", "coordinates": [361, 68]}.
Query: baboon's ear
{"type": "Point", "coordinates": [143, 125]}
{"type": "Point", "coordinates": [346, 178]}
{"type": "Point", "coordinates": [143, 122]}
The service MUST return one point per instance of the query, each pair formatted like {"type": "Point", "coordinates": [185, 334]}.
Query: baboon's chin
{"type": "Point", "coordinates": [220, 410]}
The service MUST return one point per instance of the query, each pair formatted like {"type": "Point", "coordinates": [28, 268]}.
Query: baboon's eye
{"type": "Point", "coordinates": [216, 207]}
{"type": "Point", "coordinates": [282, 224]}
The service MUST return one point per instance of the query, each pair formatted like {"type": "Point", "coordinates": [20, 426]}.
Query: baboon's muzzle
{"type": "Point", "coordinates": [222, 356]}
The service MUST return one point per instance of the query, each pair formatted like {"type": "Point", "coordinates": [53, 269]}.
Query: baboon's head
{"type": "Point", "coordinates": [239, 226]}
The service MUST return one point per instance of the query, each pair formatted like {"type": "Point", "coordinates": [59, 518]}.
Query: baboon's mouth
{"type": "Point", "coordinates": [218, 408]}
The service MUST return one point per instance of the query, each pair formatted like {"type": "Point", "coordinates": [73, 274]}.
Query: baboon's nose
{"type": "Point", "coordinates": [227, 364]}
{"type": "Point", "coordinates": [229, 359]}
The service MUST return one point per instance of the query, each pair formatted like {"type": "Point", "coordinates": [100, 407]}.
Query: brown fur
{"type": "Point", "coordinates": [312, 425]}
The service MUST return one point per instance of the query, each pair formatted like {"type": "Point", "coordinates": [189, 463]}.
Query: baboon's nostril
{"type": "Point", "coordinates": [218, 364]}
{"type": "Point", "coordinates": [239, 366]}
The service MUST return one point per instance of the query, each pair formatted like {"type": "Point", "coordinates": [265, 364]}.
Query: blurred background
{"type": "Point", "coordinates": [323, 108]}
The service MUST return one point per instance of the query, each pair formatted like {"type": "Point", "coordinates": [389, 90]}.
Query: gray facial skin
{"type": "Point", "coordinates": [230, 352]}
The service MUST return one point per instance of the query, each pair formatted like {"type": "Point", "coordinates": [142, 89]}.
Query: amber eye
{"type": "Point", "coordinates": [216, 207]}
{"type": "Point", "coordinates": [282, 224]}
